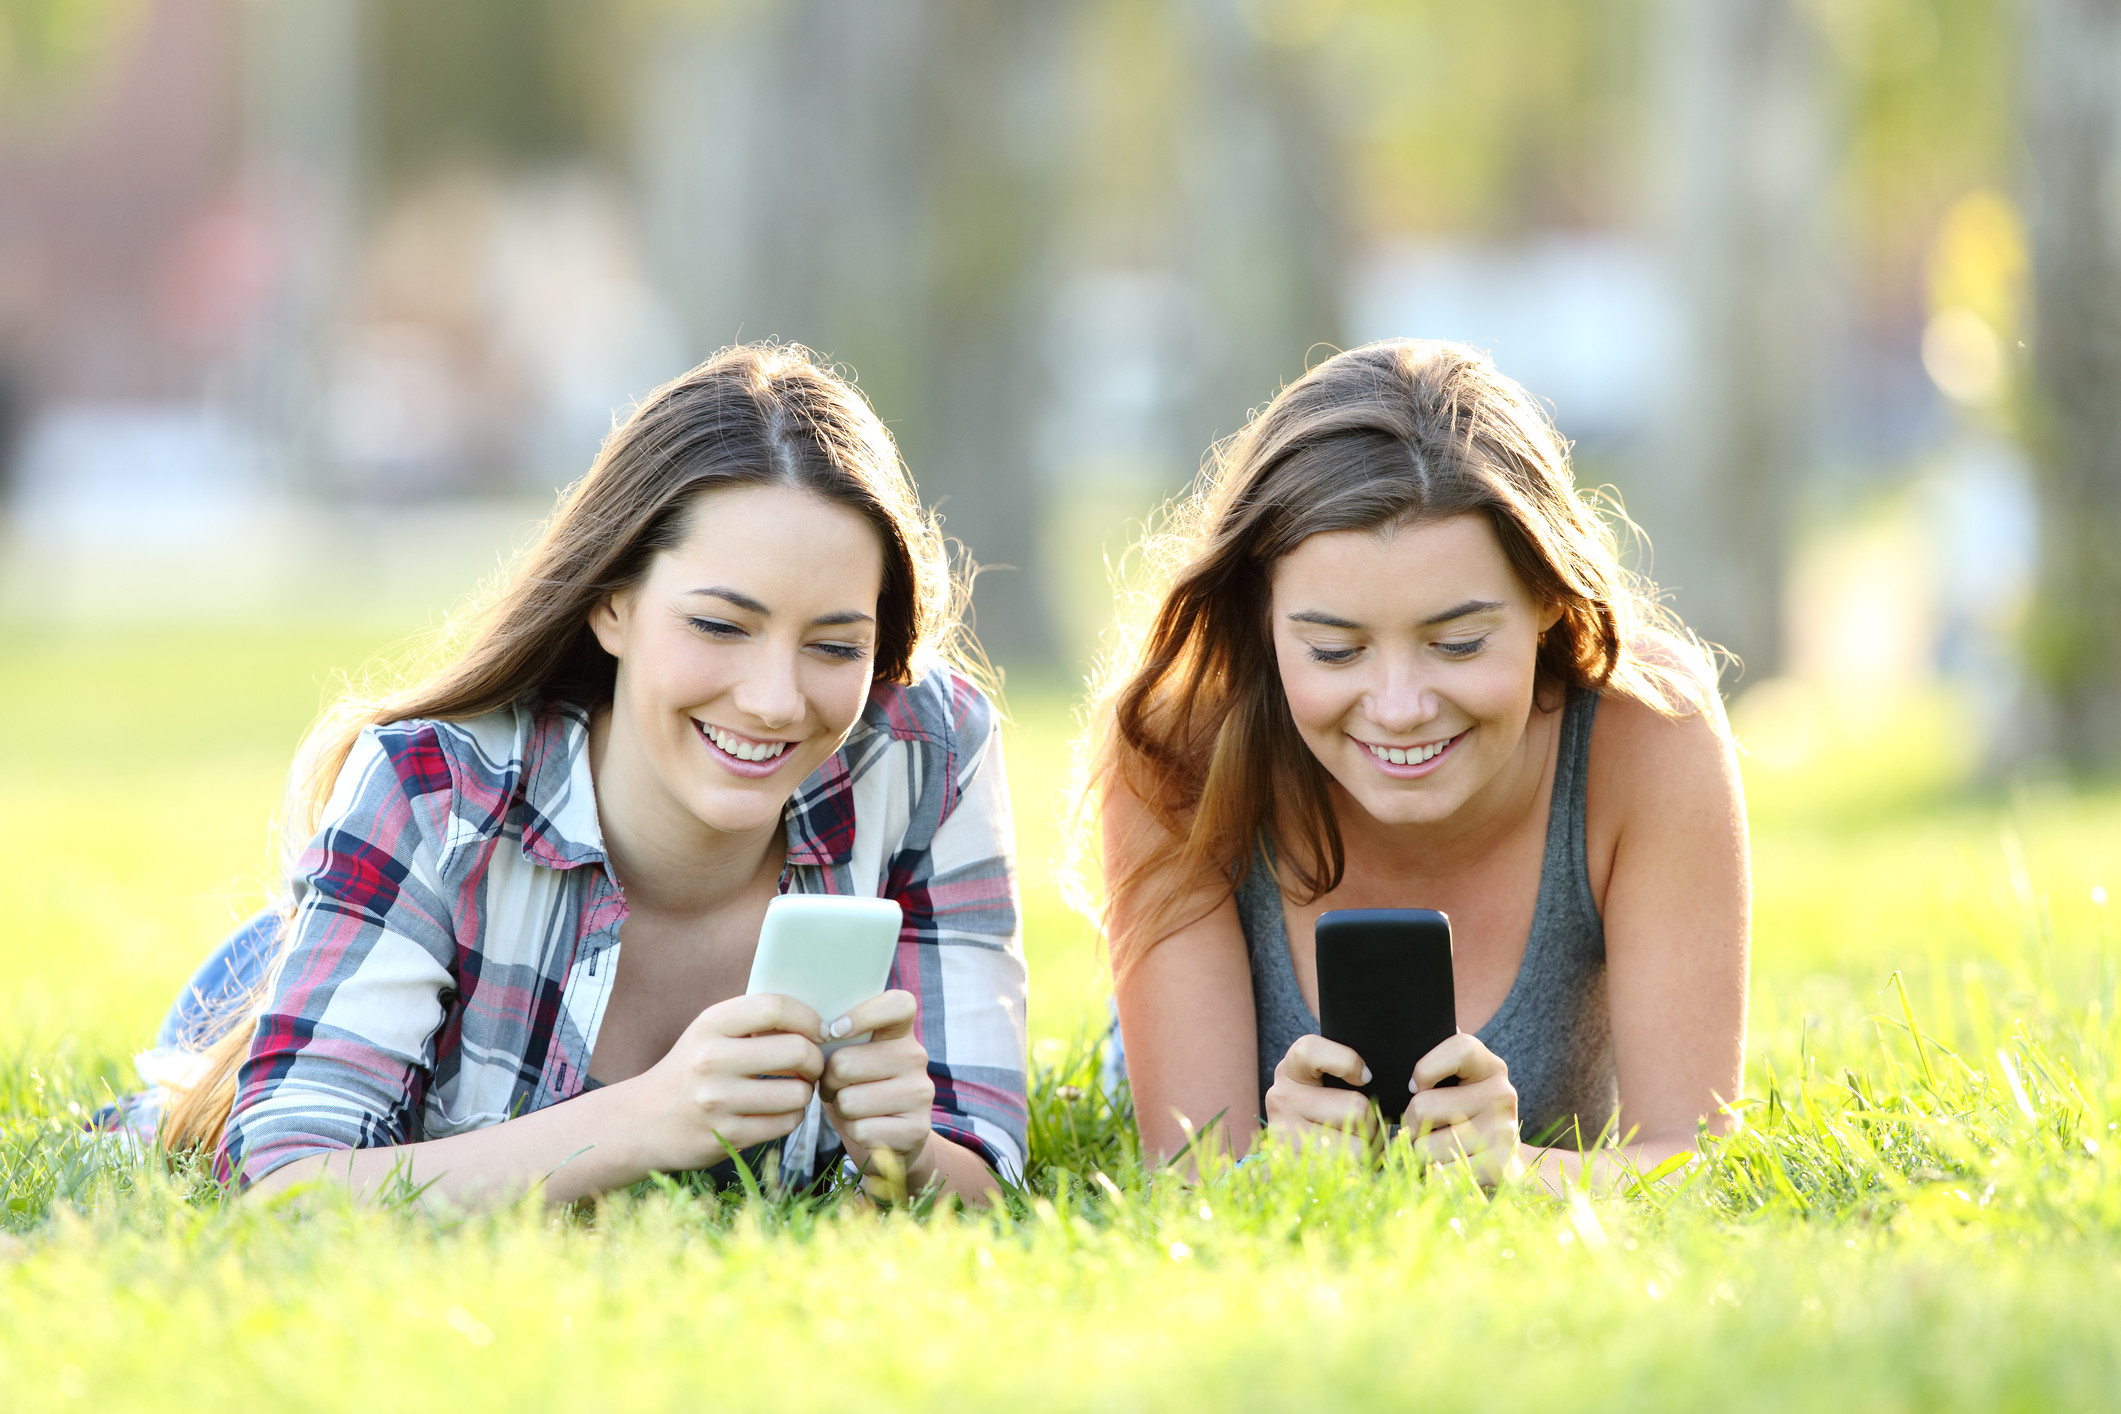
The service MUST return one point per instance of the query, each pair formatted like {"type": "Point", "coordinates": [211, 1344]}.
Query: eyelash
{"type": "Point", "coordinates": [717, 628]}
{"type": "Point", "coordinates": [845, 652]}
{"type": "Point", "coordinates": [1449, 650]}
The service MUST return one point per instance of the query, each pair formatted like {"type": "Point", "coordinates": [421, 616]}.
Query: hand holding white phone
{"type": "Point", "coordinates": [830, 952]}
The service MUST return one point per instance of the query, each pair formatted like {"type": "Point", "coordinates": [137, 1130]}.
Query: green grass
{"type": "Point", "coordinates": [1919, 1215]}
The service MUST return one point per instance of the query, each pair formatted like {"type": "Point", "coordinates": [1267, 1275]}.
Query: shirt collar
{"type": "Point", "coordinates": [560, 827]}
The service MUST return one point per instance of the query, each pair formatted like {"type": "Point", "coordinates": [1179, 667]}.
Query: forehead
{"type": "Point", "coordinates": [1418, 567]}
{"type": "Point", "coordinates": [780, 535]}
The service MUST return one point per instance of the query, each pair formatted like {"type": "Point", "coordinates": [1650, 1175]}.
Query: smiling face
{"type": "Point", "coordinates": [1408, 657]}
{"type": "Point", "coordinates": [744, 657]}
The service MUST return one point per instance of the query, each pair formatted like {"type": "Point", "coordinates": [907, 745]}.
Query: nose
{"type": "Point", "coordinates": [1402, 701]}
{"type": "Point", "coordinates": [771, 696]}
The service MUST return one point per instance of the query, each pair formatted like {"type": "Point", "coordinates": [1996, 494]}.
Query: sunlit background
{"type": "Point", "coordinates": [307, 307]}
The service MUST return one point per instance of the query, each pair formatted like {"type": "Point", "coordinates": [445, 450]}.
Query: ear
{"type": "Point", "coordinates": [607, 620]}
{"type": "Point", "coordinates": [1549, 614]}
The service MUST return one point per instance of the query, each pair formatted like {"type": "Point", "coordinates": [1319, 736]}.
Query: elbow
{"type": "Point", "coordinates": [277, 1178]}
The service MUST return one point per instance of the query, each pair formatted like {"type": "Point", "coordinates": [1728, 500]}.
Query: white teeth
{"type": "Point", "coordinates": [1408, 755]}
{"type": "Point", "coordinates": [743, 750]}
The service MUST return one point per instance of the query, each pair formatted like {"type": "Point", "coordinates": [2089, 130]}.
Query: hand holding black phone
{"type": "Point", "coordinates": [1385, 991]}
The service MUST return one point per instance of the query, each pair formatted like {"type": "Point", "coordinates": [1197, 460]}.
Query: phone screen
{"type": "Point", "coordinates": [1385, 991]}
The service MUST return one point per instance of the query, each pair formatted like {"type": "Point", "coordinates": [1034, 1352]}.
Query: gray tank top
{"type": "Point", "coordinates": [1552, 1030]}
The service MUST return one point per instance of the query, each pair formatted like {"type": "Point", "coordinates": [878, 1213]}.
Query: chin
{"type": "Point", "coordinates": [737, 805]}
{"type": "Point", "coordinates": [741, 815]}
{"type": "Point", "coordinates": [1406, 807]}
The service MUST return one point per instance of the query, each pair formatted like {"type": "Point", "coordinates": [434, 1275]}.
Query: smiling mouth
{"type": "Point", "coordinates": [1409, 755]}
{"type": "Point", "coordinates": [743, 748]}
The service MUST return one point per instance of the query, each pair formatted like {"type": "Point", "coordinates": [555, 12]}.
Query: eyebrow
{"type": "Point", "coordinates": [1471, 606]}
{"type": "Point", "coordinates": [749, 605]}
{"type": "Point", "coordinates": [737, 597]}
{"type": "Point", "coordinates": [1326, 620]}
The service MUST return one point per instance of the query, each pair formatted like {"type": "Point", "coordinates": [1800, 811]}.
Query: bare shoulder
{"type": "Point", "coordinates": [1153, 893]}
{"type": "Point", "coordinates": [1647, 759]}
{"type": "Point", "coordinates": [1129, 829]}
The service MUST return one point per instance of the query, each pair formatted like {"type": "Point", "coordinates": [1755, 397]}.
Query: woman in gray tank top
{"type": "Point", "coordinates": [1551, 1028]}
{"type": "Point", "coordinates": [1394, 661]}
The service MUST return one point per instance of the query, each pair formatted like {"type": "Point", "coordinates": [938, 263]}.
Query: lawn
{"type": "Point", "coordinates": [1923, 1212]}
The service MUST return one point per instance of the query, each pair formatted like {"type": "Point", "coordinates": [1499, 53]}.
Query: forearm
{"type": "Point", "coordinates": [574, 1150]}
{"type": "Point", "coordinates": [942, 1166]}
{"type": "Point", "coordinates": [961, 1171]}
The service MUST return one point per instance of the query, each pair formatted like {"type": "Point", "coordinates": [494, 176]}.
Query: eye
{"type": "Point", "coordinates": [1463, 650]}
{"type": "Point", "coordinates": [1332, 655]}
{"type": "Point", "coordinates": [844, 652]}
{"type": "Point", "coordinates": [716, 628]}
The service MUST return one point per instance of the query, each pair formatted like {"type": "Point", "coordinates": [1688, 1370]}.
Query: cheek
{"type": "Point", "coordinates": [1499, 688]}
{"type": "Point", "coordinates": [837, 697]}
{"type": "Point", "coordinates": [676, 674]}
{"type": "Point", "coordinates": [1317, 700]}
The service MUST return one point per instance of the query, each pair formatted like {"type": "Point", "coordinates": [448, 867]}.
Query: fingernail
{"type": "Point", "coordinates": [1366, 1075]}
{"type": "Point", "coordinates": [839, 1028]}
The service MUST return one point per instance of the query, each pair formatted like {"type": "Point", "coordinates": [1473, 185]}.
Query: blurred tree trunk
{"type": "Point", "coordinates": [1261, 238]}
{"type": "Point", "coordinates": [870, 177]}
{"type": "Point", "coordinates": [1744, 170]}
{"type": "Point", "coordinates": [989, 159]}
{"type": "Point", "coordinates": [2073, 86]}
{"type": "Point", "coordinates": [884, 181]}
{"type": "Point", "coordinates": [302, 156]}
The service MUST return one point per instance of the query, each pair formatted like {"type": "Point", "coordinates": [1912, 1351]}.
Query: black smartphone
{"type": "Point", "coordinates": [1384, 990]}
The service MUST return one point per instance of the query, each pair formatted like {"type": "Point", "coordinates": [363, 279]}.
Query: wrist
{"type": "Point", "coordinates": [626, 1130]}
{"type": "Point", "coordinates": [923, 1167]}
{"type": "Point", "coordinates": [894, 1175]}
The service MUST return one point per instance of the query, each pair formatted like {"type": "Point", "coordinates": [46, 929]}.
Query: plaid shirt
{"type": "Point", "coordinates": [456, 928]}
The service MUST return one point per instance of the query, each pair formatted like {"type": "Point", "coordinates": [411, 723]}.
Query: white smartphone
{"type": "Point", "coordinates": [830, 952]}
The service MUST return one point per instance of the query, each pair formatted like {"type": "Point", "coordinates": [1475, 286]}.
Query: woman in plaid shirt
{"type": "Point", "coordinates": [515, 946]}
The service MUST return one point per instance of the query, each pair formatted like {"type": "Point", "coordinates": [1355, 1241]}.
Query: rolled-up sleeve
{"type": "Point", "coordinates": [345, 1046]}
{"type": "Point", "coordinates": [960, 899]}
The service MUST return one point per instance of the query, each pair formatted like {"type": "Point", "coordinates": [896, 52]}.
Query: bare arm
{"type": "Point", "coordinates": [718, 1089]}
{"type": "Point", "coordinates": [945, 1166]}
{"type": "Point", "coordinates": [1677, 914]}
{"type": "Point", "coordinates": [577, 1150]}
{"type": "Point", "coordinates": [742, 1074]}
{"type": "Point", "coordinates": [1185, 1009]}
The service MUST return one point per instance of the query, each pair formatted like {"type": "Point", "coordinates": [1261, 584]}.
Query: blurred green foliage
{"type": "Point", "coordinates": [1489, 120]}
{"type": "Point", "coordinates": [46, 43]}
{"type": "Point", "coordinates": [1479, 121]}
{"type": "Point", "coordinates": [518, 82]}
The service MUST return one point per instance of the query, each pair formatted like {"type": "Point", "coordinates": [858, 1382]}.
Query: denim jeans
{"type": "Point", "coordinates": [224, 988]}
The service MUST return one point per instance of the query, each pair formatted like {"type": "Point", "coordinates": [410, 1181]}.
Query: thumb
{"type": "Point", "coordinates": [888, 1016]}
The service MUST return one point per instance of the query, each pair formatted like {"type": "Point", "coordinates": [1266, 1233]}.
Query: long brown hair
{"type": "Point", "coordinates": [1189, 717]}
{"type": "Point", "coordinates": [755, 414]}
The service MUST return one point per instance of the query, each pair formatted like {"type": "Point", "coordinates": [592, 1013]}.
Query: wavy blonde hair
{"type": "Point", "coordinates": [1187, 714]}
{"type": "Point", "coordinates": [757, 414]}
